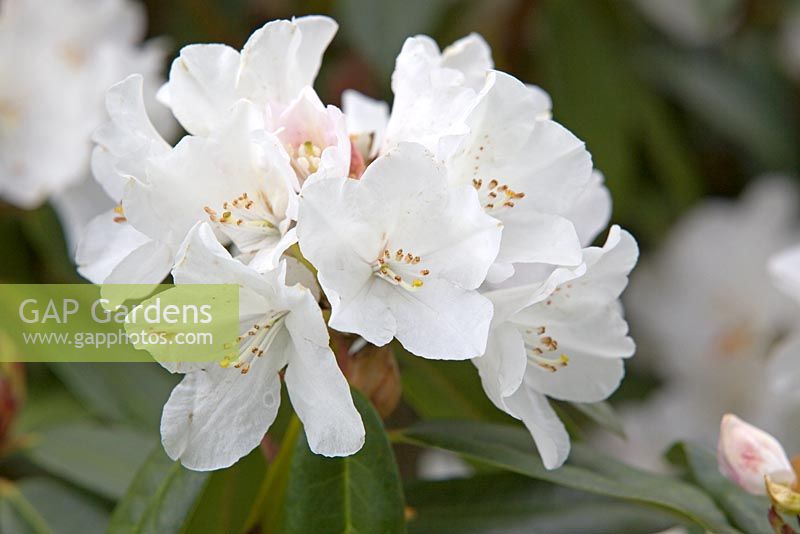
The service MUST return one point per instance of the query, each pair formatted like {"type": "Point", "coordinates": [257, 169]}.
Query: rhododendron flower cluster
{"type": "Point", "coordinates": [459, 223]}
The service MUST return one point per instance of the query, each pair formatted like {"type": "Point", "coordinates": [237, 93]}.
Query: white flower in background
{"type": "Point", "coordinates": [57, 59]}
{"type": "Point", "coordinates": [562, 338]}
{"type": "Point", "coordinates": [400, 254]}
{"type": "Point", "coordinates": [258, 133]}
{"type": "Point", "coordinates": [218, 414]}
{"type": "Point", "coordinates": [708, 319]}
{"type": "Point", "coordinates": [435, 464]}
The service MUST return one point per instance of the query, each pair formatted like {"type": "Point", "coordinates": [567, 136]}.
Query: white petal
{"type": "Point", "coordinates": [203, 260]}
{"type": "Point", "coordinates": [534, 237]}
{"type": "Point", "coordinates": [441, 321]}
{"type": "Point", "coordinates": [606, 277]}
{"type": "Point", "coordinates": [472, 56]}
{"type": "Point", "coordinates": [404, 192]}
{"type": "Point", "coordinates": [785, 270]}
{"type": "Point", "coordinates": [365, 117]}
{"type": "Point", "coordinates": [282, 57]}
{"type": "Point", "coordinates": [202, 86]}
{"type": "Point", "coordinates": [147, 264]}
{"type": "Point", "coordinates": [544, 425]}
{"type": "Point", "coordinates": [104, 245]}
{"type": "Point", "coordinates": [76, 207]}
{"type": "Point", "coordinates": [215, 417]}
{"type": "Point", "coordinates": [430, 100]}
{"type": "Point", "coordinates": [592, 210]}
{"type": "Point", "coordinates": [336, 240]}
{"type": "Point", "coordinates": [783, 369]}
{"type": "Point", "coordinates": [584, 379]}
{"type": "Point", "coordinates": [504, 363]}
{"type": "Point", "coordinates": [321, 397]}
{"type": "Point", "coordinates": [539, 159]}
{"type": "Point", "coordinates": [541, 102]}
{"type": "Point", "coordinates": [198, 172]}
{"type": "Point", "coordinates": [127, 141]}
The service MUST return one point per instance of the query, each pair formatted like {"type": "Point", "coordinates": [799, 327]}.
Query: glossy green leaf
{"type": "Point", "coordinates": [355, 494]}
{"type": "Point", "coordinates": [740, 106]}
{"type": "Point", "coordinates": [43, 231]}
{"type": "Point", "coordinates": [603, 414]}
{"type": "Point", "coordinates": [131, 393]}
{"type": "Point", "coordinates": [17, 514]}
{"type": "Point", "coordinates": [269, 503]}
{"type": "Point", "coordinates": [511, 503]}
{"type": "Point", "coordinates": [512, 449]}
{"type": "Point", "coordinates": [229, 496]}
{"type": "Point", "coordinates": [66, 509]}
{"type": "Point", "coordinates": [444, 389]}
{"type": "Point", "coordinates": [161, 497]}
{"type": "Point", "coordinates": [101, 459]}
{"type": "Point", "coordinates": [748, 512]}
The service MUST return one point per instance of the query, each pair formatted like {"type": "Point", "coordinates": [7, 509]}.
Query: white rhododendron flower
{"type": "Point", "coordinates": [564, 338]}
{"type": "Point", "coordinates": [747, 455]}
{"type": "Point", "coordinates": [274, 71]}
{"type": "Point", "coordinates": [490, 131]}
{"type": "Point", "coordinates": [57, 59]}
{"type": "Point", "coordinates": [255, 139]}
{"type": "Point", "coordinates": [710, 318]}
{"type": "Point", "coordinates": [220, 413]}
{"type": "Point", "coordinates": [528, 173]}
{"type": "Point", "coordinates": [401, 254]}
{"type": "Point", "coordinates": [459, 224]}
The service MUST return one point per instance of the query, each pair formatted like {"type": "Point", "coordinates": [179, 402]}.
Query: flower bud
{"type": "Point", "coordinates": [372, 370]}
{"type": "Point", "coordinates": [747, 454]}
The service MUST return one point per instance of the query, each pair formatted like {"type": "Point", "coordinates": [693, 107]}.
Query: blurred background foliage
{"type": "Point", "coordinates": [672, 111]}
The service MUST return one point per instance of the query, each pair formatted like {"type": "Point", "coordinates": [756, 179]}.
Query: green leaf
{"type": "Point", "coordinates": [66, 509]}
{"type": "Point", "coordinates": [43, 230]}
{"type": "Point", "coordinates": [229, 496]}
{"type": "Point", "coordinates": [269, 504]}
{"type": "Point", "coordinates": [354, 494]}
{"type": "Point", "coordinates": [101, 459]}
{"type": "Point", "coordinates": [445, 389]}
{"type": "Point", "coordinates": [745, 107]}
{"type": "Point", "coordinates": [17, 514]}
{"type": "Point", "coordinates": [160, 499]}
{"type": "Point", "coordinates": [512, 449]}
{"type": "Point", "coordinates": [603, 414]}
{"type": "Point", "coordinates": [748, 512]}
{"type": "Point", "coordinates": [510, 503]}
{"type": "Point", "coordinates": [131, 393]}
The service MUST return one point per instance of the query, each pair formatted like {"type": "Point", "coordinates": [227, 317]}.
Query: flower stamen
{"type": "Point", "coordinates": [395, 269]}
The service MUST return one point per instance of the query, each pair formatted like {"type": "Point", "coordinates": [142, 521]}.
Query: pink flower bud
{"type": "Point", "coordinates": [747, 454]}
